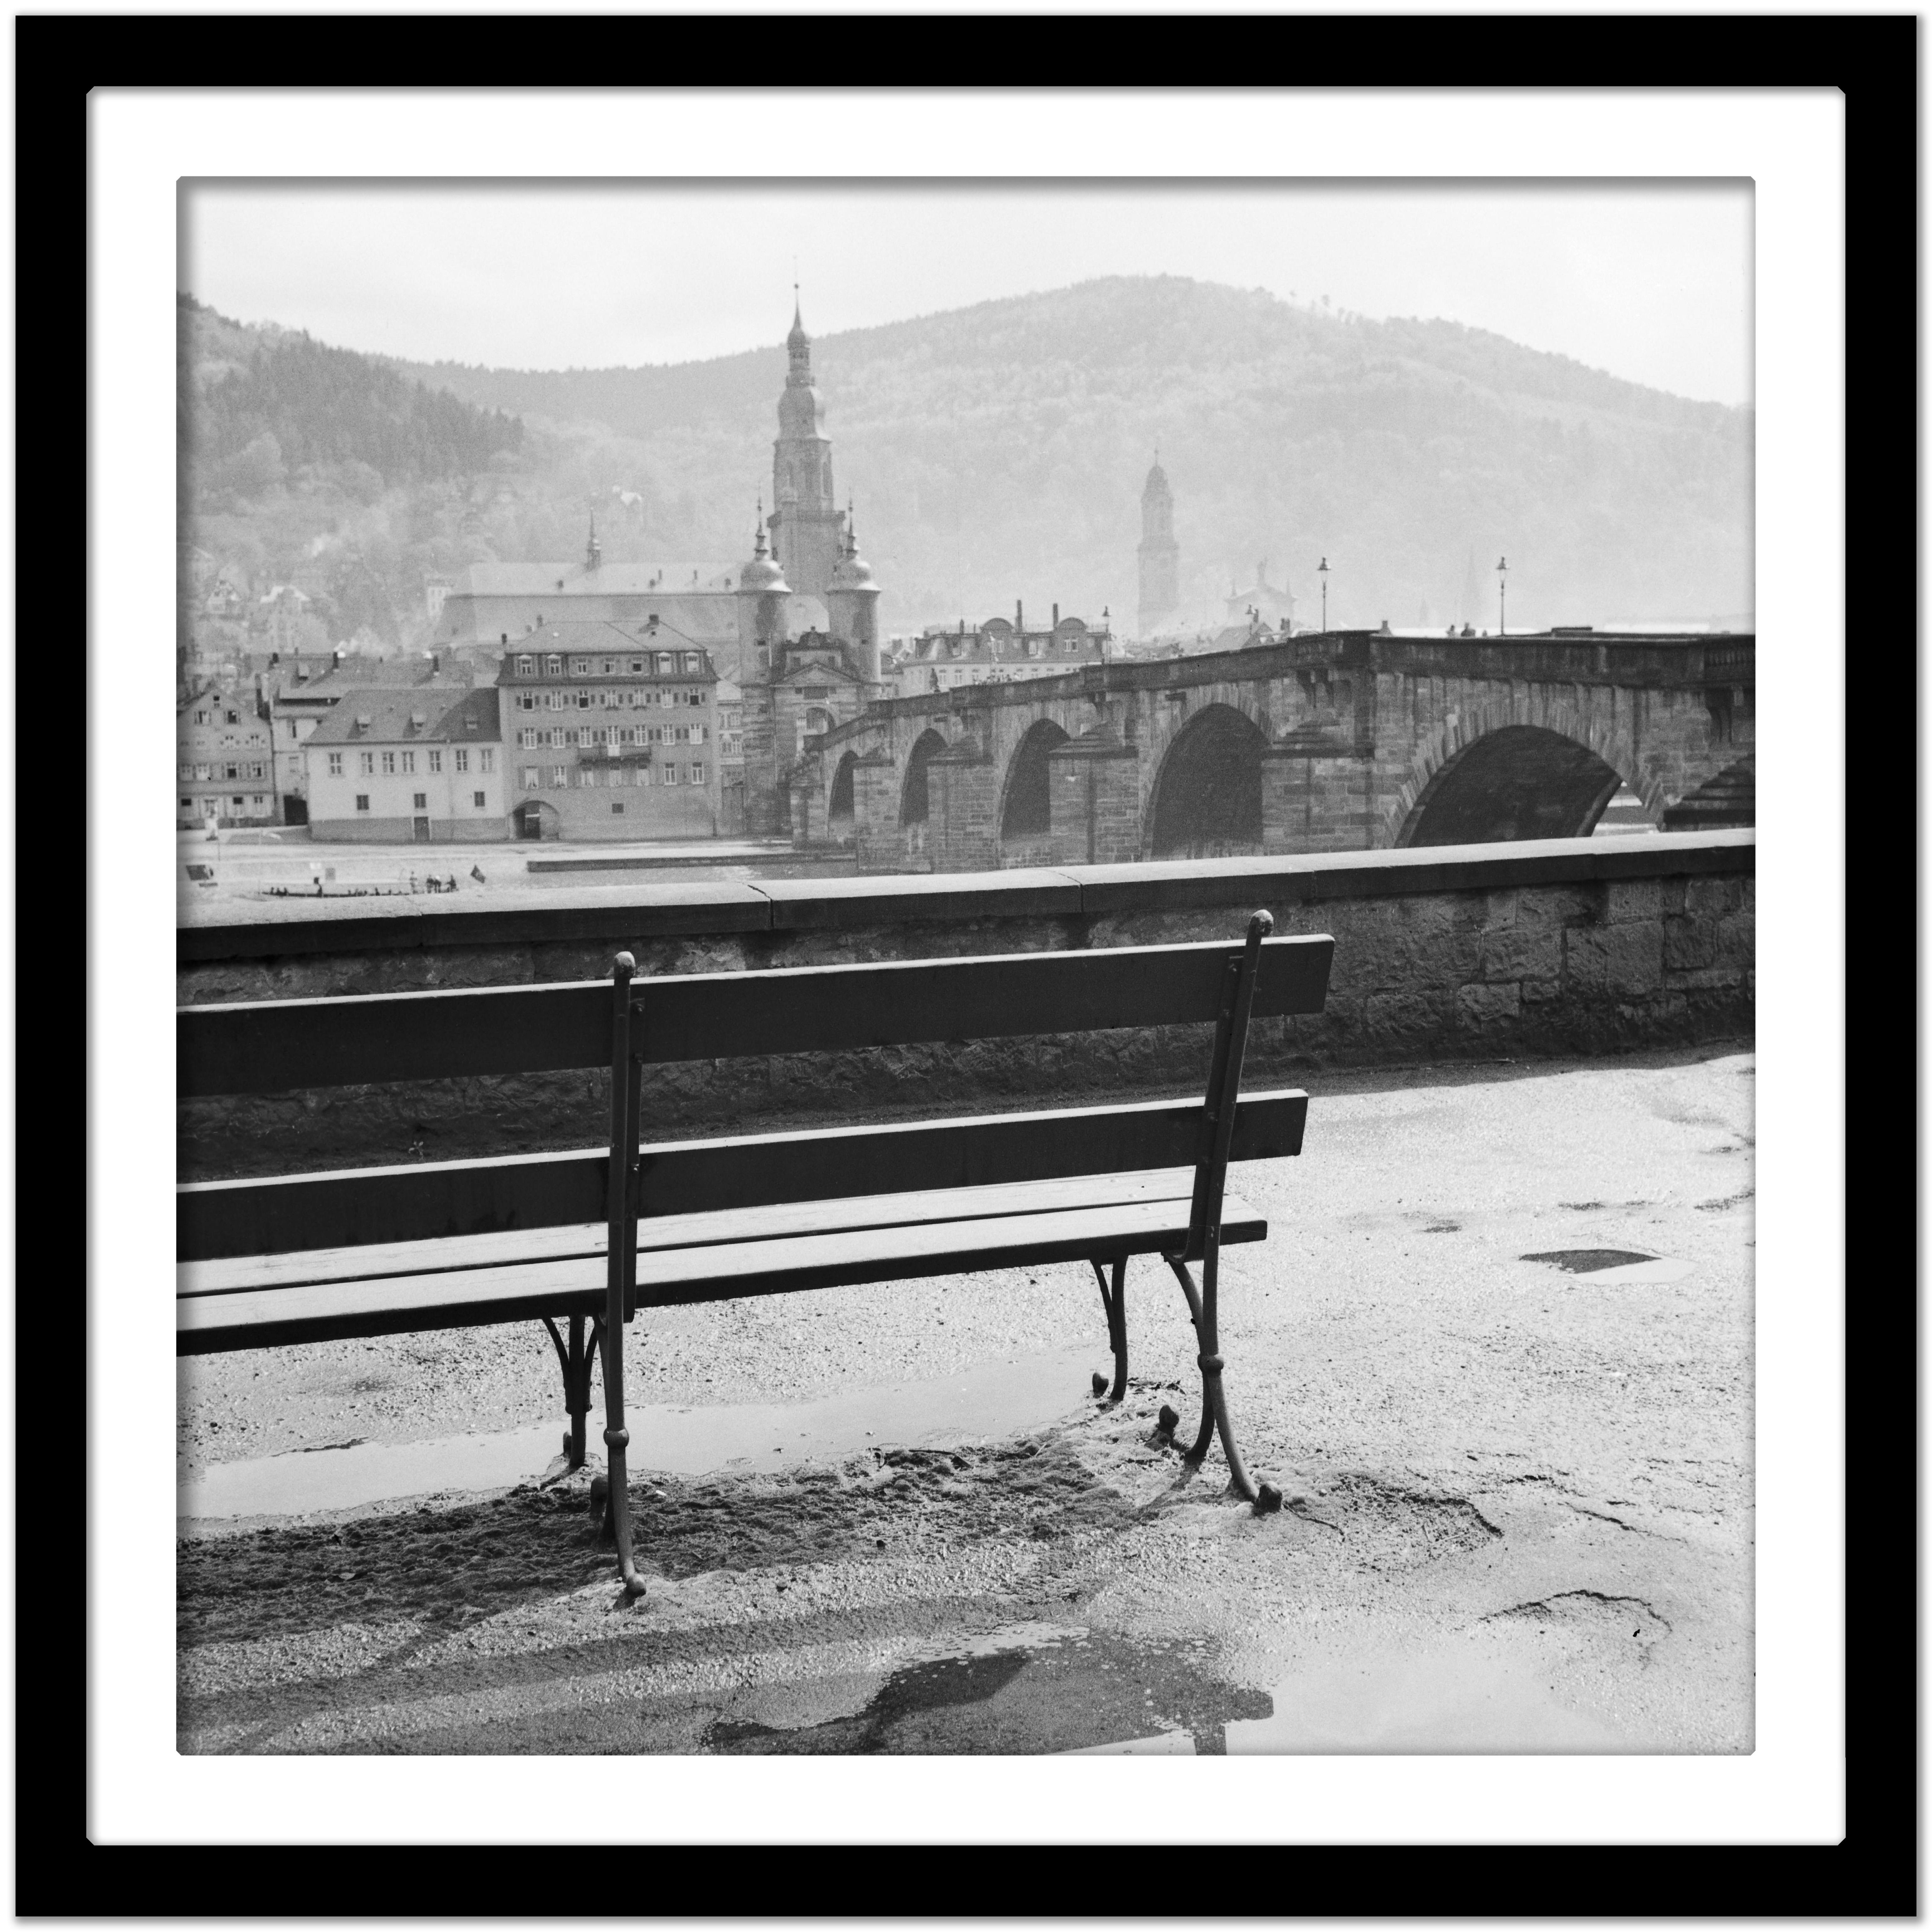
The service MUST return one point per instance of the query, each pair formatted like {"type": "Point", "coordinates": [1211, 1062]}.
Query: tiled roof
{"type": "Point", "coordinates": [390, 713]}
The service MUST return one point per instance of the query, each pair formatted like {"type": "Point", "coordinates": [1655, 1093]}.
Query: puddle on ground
{"type": "Point", "coordinates": [1464, 1695]}
{"type": "Point", "coordinates": [1028, 1691]}
{"type": "Point", "coordinates": [1614, 1264]}
{"type": "Point", "coordinates": [994, 1400]}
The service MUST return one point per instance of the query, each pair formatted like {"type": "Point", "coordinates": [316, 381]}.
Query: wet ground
{"type": "Point", "coordinates": [1496, 1351]}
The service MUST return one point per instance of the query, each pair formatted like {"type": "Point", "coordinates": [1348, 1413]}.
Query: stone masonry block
{"type": "Point", "coordinates": [1619, 958]}
{"type": "Point", "coordinates": [1694, 977]}
{"type": "Point", "coordinates": [1706, 897]}
{"type": "Point", "coordinates": [1402, 1021]}
{"type": "Point", "coordinates": [1689, 943]}
{"type": "Point", "coordinates": [1737, 941]}
{"type": "Point", "coordinates": [1481, 1005]}
{"type": "Point", "coordinates": [1499, 908]}
{"type": "Point", "coordinates": [1516, 952]}
{"type": "Point", "coordinates": [1629, 899]}
{"type": "Point", "coordinates": [1554, 907]}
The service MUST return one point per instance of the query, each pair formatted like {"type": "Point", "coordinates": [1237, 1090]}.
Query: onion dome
{"type": "Point", "coordinates": [762, 574]}
{"type": "Point", "coordinates": [851, 571]}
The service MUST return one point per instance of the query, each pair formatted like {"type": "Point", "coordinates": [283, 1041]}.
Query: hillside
{"type": "Point", "coordinates": [999, 451]}
{"type": "Point", "coordinates": [300, 462]}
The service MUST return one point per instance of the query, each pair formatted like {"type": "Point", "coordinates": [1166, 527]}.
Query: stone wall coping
{"type": "Point", "coordinates": [630, 911]}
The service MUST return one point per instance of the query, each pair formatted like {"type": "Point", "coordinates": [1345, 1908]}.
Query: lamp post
{"type": "Point", "coordinates": [1502, 596]}
{"type": "Point", "coordinates": [1321, 571]}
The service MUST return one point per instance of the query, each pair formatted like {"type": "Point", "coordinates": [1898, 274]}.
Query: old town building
{"type": "Point", "coordinates": [225, 768]}
{"type": "Point", "coordinates": [425, 765]}
{"type": "Point", "coordinates": [995, 652]}
{"type": "Point", "coordinates": [611, 733]}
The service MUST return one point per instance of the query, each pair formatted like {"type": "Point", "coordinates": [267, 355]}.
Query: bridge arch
{"type": "Point", "coordinates": [1206, 801]}
{"type": "Point", "coordinates": [1025, 803]}
{"type": "Point", "coordinates": [841, 813]}
{"type": "Point", "coordinates": [913, 795]}
{"type": "Point", "coordinates": [1513, 780]}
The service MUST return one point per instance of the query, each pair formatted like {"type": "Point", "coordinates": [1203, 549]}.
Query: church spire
{"type": "Point", "coordinates": [592, 552]}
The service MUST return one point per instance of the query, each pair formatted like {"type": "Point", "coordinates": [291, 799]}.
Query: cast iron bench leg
{"type": "Point", "coordinates": [1116, 1305]}
{"type": "Point", "coordinates": [575, 1361]}
{"type": "Point", "coordinates": [1214, 1395]}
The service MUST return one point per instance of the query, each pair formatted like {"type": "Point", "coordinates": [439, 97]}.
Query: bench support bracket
{"type": "Point", "coordinates": [1115, 1304]}
{"type": "Point", "coordinates": [621, 1263]}
{"type": "Point", "coordinates": [575, 1358]}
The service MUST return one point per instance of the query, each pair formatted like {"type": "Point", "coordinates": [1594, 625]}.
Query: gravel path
{"type": "Point", "coordinates": [1519, 1497]}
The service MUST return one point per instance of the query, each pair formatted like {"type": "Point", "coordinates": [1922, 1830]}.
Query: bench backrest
{"type": "Point", "coordinates": [276, 1046]}
{"type": "Point", "coordinates": [279, 1045]}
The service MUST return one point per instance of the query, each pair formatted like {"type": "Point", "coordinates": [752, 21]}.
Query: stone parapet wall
{"type": "Point", "coordinates": [1556, 947]}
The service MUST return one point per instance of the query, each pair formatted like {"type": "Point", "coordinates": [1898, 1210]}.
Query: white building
{"type": "Point", "coordinates": [427, 765]}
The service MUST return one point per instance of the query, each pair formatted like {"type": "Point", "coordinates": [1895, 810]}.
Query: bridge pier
{"type": "Point", "coordinates": [1316, 798]}
{"type": "Point", "coordinates": [962, 809]}
{"type": "Point", "coordinates": [1094, 796]}
{"type": "Point", "coordinates": [877, 843]}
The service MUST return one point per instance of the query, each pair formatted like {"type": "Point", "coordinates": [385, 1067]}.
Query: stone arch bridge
{"type": "Point", "coordinates": [1332, 741]}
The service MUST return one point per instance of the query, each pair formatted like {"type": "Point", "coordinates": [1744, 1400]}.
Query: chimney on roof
{"type": "Point", "coordinates": [1056, 616]}
{"type": "Point", "coordinates": [363, 721]}
{"type": "Point", "coordinates": [505, 638]}
{"type": "Point", "coordinates": [435, 663]}
{"type": "Point", "coordinates": [335, 657]}
{"type": "Point", "coordinates": [1019, 615]}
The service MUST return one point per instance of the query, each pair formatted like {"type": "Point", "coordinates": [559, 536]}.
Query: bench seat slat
{"type": "Point", "coordinates": [523, 1192]}
{"type": "Point", "coordinates": [717, 1229]}
{"type": "Point", "coordinates": [274, 1046]}
{"type": "Point", "coordinates": [470, 1297]}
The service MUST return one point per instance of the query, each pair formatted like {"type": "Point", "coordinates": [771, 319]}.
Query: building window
{"type": "Point", "coordinates": [531, 781]}
{"type": "Point", "coordinates": [486, 759]}
{"type": "Point", "coordinates": [234, 718]}
{"type": "Point", "coordinates": [368, 764]}
{"type": "Point", "coordinates": [609, 667]}
{"type": "Point", "coordinates": [583, 700]}
{"type": "Point", "coordinates": [560, 777]}
{"type": "Point", "coordinates": [188, 804]}
{"type": "Point", "coordinates": [670, 775]}
{"type": "Point", "coordinates": [185, 772]}
{"type": "Point", "coordinates": [419, 801]}
{"type": "Point", "coordinates": [409, 761]}
{"type": "Point", "coordinates": [476, 798]}
{"type": "Point", "coordinates": [435, 761]}
{"type": "Point", "coordinates": [236, 802]}
{"type": "Point", "coordinates": [526, 700]}
{"type": "Point", "coordinates": [637, 666]}
{"type": "Point", "coordinates": [291, 728]}
{"type": "Point", "coordinates": [553, 700]}
{"type": "Point", "coordinates": [693, 664]}
{"type": "Point", "coordinates": [644, 777]}
{"type": "Point", "coordinates": [335, 764]}
{"type": "Point", "coordinates": [389, 764]}
{"type": "Point", "coordinates": [256, 802]}
{"type": "Point", "coordinates": [667, 664]}
{"type": "Point", "coordinates": [554, 666]}
{"type": "Point", "coordinates": [362, 801]}
{"type": "Point", "coordinates": [201, 717]}
{"type": "Point", "coordinates": [526, 667]}
{"type": "Point", "coordinates": [697, 772]}
{"type": "Point", "coordinates": [204, 772]}
{"type": "Point", "coordinates": [463, 751]}
{"type": "Point", "coordinates": [617, 807]}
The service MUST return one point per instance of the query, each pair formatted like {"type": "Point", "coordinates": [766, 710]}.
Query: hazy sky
{"type": "Point", "coordinates": [1651, 282]}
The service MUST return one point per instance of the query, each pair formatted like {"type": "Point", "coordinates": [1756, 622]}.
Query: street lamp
{"type": "Point", "coordinates": [1321, 571]}
{"type": "Point", "coordinates": [1502, 596]}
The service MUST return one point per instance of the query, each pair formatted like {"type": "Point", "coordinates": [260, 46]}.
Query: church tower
{"type": "Point", "coordinates": [807, 537]}
{"type": "Point", "coordinates": [1160, 556]}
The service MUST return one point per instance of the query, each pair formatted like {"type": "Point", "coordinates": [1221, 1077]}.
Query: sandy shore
{"type": "Point", "coordinates": [1520, 1496]}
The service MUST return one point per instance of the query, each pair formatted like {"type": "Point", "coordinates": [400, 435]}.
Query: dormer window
{"type": "Point", "coordinates": [554, 666]}
{"type": "Point", "coordinates": [527, 667]}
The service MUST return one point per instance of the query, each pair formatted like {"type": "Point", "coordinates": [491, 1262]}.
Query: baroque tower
{"type": "Point", "coordinates": [807, 536]}
{"type": "Point", "coordinates": [1160, 556]}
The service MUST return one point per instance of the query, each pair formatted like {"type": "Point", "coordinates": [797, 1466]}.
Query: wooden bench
{"type": "Point", "coordinates": [588, 1236]}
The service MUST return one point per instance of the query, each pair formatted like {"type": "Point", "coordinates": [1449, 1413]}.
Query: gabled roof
{"type": "Point", "coordinates": [467, 717]}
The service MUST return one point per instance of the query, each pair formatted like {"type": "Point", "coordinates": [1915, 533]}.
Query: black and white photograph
{"type": "Point", "coordinates": [965, 968]}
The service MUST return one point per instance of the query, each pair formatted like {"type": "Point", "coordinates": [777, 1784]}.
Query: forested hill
{"type": "Point", "coordinates": [251, 401]}
{"type": "Point", "coordinates": [998, 451]}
